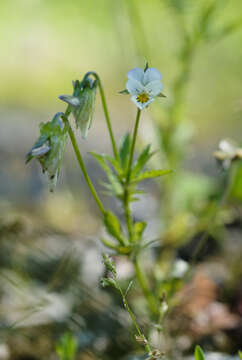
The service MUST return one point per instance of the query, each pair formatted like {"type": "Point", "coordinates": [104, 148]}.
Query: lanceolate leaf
{"type": "Point", "coordinates": [112, 177]}
{"type": "Point", "coordinates": [142, 160]}
{"type": "Point", "coordinates": [113, 227]}
{"type": "Point", "coordinates": [198, 353]}
{"type": "Point", "coordinates": [125, 250]}
{"type": "Point", "coordinates": [124, 150]}
{"type": "Point", "coordinates": [150, 174]}
{"type": "Point", "coordinates": [124, 92]}
{"type": "Point", "coordinates": [139, 228]}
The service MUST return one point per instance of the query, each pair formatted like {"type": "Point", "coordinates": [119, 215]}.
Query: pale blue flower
{"type": "Point", "coordinates": [144, 86]}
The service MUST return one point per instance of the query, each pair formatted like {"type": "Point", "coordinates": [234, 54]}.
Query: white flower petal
{"type": "Point", "coordinates": [154, 88]}
{"type": "Point", "coordinates": [140, 105]}
{"type": "Point", "coordinates": [151, 74]}
{"type": "Point", "coordinates": [136, 74]}
{"type": "Point", "coordinates": [134, 87]}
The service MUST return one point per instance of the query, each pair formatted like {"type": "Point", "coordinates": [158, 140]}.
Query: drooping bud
{"type": "Point", "coordinates": [82, 103]}
{"type": "Point", "coordinates": [49, 148]}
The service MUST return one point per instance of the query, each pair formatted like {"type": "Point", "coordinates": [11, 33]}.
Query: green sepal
{"type": "Point", "coordinates": [71, 100]}
{"type": "Point", "coordinates": [161, 95]}
{"type": "Point", "coordinates": [150, 174]}
{"type": "Point", "coordinates": [124, 92]}
{"type": "Point", "coordinates": [198, 353]}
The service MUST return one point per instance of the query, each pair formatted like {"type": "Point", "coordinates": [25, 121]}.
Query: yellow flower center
{"type": "Point", "coordinates": [142, 98]}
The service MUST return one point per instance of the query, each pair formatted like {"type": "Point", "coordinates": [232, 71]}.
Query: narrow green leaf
{"type": "Point", "coordinates": [124, 150]}
{"type": "Point", "coordinates": [151, 174]}
{"type": "Point", "coordinates": [124, 250]}
{"type": "Point", "coordinates": [198, 353]}
{"type": "Point", "coordinates": [128, 288]}
{"type": "Point", "coordinates": [66, 348]}
{"type": "Point", "coordinates": [115, 164]}
{"type": "Point", "coordinates": [240, 354]}
{"type": "Point", "coordinates": [227, 30]}
{"type": "Point", "coordinates": [142, 160]}
{"type": "Point", "coordinates": [113, 227]}
{"type": "Point", "coordinates": [112, 177]}
{"type": "Point", "coordinates": [139, 228]}
{"type": "Point", "coordinates": [133, 199]}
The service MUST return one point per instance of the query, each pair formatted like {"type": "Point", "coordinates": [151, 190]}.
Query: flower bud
{"type": "Point", "coordinates": [49, 148]}
{"type": "Point", "coordinates": [109, 263]}
{"type": "Point", "coordinates": [82, 103]}
{"type": "Point", "coordinates": [106, 282]}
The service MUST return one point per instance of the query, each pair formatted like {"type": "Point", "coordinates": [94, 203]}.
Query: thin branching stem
{"type": "Point", "coordinates": [132, 316]}
{"type": "Point", "coordinates": [105, 109]}
{"type": "Point", "coordinates": [126, 201]}
{"type": "Point", "coordinates": [133, 145]}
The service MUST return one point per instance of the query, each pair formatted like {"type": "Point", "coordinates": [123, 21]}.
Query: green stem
{"type": "Point", "coordinates": [105, 109]}
{"type": "Point", "coordinates": [133, 145]}
{"type": "Point", "coordinates": [132, 316]}
{"type": "Point", "coordinates": [81, 162]}
{"type": "Point", "coordinates": [127, 211]}
{"type": "Point", "coordinates": [145, 288]}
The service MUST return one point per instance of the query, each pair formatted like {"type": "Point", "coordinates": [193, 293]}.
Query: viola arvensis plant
{"type": "Point", "coordinates": [123, 174]}
{"type": "Point", "coordinates": [144, 86]}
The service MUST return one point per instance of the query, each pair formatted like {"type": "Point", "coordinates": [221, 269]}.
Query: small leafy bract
{"type": "Point", "coordinates": [124, 151]}
{"type": "Point", "coordinates": [113, 227]}
{"type": "Point", "coordinates": [150, 174]}
{"type": "Point", "coordinates": [66, 348]}
{"type": "Point", "coordinates": [198, 353]}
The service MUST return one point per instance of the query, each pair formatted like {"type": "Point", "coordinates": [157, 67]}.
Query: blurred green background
{"type": "Point", "coordinates": [45, 44]}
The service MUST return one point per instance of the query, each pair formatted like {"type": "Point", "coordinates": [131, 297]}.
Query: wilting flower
{"type": "Point", "coordinates": [82, 103]}
{"type": "Point", "coordinates": [49, 148]}
{"type": "Point", "coordinates": [227, 152]}
{"type": "Point", "coordinates": [144, 86]}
